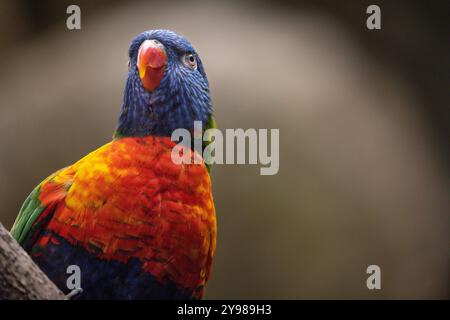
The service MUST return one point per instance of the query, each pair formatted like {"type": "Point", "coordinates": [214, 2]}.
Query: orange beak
{"type": "Point", "coordinates": [151, 63]}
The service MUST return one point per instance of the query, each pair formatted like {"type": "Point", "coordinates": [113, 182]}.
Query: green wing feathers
{"type": "Point", "coordinates": [28, 214]}
{"type": "Point", "coordinates": [211, 125]}
{"type": "Point", "coordinates": [41, 201]}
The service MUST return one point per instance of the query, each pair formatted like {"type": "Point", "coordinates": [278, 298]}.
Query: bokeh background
{"type": "Point", "coordinates": [363, 118]}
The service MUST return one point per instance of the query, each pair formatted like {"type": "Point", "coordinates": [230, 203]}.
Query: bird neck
{"type": "Point", "coordinates": [160, 112]}
{"type": "Point", "coordinates": [143, 114]}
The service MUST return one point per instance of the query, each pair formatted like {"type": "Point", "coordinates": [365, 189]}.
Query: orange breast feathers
{"type": "Point", "coordinates": [129, 200]}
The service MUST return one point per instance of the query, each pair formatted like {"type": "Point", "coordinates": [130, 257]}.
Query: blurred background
{"type": "Point", "coordinates": [363, 118]}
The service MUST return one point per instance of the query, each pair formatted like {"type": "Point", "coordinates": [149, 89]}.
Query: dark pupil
{"type": "Point", "coordinates": [191, 59]}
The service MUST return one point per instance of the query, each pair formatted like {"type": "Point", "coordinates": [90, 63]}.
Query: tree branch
{"type": "Point", "coordinates": [20, 277]}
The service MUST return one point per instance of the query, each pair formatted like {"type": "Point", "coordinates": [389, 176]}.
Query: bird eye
{"type": "Point", "coordinates": [189, 60]}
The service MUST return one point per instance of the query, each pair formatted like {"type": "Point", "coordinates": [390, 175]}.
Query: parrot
{"type": "Point", "coordinates": [135, 224]}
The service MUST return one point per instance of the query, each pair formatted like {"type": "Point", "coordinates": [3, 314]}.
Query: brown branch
{"type": "Point", "coordinates": [20, 277]}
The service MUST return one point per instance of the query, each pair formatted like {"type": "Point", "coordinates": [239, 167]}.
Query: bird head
{"type": "Point", "coordinates": [166, 88]}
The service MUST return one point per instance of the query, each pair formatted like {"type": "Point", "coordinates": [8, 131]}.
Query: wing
{"type": "Point", "coordinates": [39, 206]}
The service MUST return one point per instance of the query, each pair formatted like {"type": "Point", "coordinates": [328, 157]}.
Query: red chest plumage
{"type": "Point", "coordinates": [129, 200]}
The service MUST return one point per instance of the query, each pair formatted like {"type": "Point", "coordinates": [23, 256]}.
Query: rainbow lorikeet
{"type": "Point", "coordinates": [136, 224]}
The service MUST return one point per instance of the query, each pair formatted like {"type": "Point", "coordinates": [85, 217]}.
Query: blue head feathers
{"type": "Point", "coordinates": [181, 97]}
